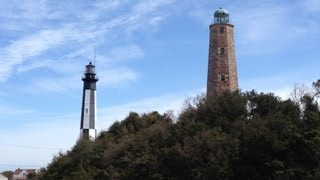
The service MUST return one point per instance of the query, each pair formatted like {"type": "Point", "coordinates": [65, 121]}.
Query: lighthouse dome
{"type": "Point", "coordinates": [221, 13]}
{"type": "Point", "coordinates": [221, 16]}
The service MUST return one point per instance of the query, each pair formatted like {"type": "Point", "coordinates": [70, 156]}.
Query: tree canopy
{"type": "Point", "coordinates": [240, 135]}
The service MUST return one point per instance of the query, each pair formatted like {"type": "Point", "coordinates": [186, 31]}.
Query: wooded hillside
{"type": "Point", "coordinates": [233, 136]}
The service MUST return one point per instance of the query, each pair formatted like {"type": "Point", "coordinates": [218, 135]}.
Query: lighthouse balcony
{"type": "Point", "coordinates": [90, 77]}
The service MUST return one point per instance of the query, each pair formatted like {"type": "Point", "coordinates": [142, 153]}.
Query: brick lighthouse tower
{"type": "Point", "coordinates": [222, 67]}
{"type": "Point", "coordinates": [88, 111]}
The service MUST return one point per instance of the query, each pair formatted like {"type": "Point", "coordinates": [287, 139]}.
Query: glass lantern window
{"type": "Point", "coordinates": [90, 70]}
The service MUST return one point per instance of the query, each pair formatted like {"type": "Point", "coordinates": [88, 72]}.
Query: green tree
{"type": "Point", "coordinates": [239, 135]}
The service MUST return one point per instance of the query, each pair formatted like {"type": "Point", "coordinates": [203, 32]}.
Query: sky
{"type": "Point", "coordinates": [151, 55]}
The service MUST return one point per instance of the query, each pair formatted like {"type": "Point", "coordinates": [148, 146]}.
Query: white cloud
{"type": "Point", "coordinates": [259, 27]}
{"type": "Point", "coordinates": [25, 54]}
{"type": "Point", "coordinates": [117, 77]}
{"type": "Point", "coordinates": [269, 27]}
{"type": "Point", "coordinates": [34, 65]}
{"type": "Point", "coordinates": [111, 73]}
{"type": "Point", "coordinates": [65, 68]}
{"type": "Point", "coordinates": [155, 21]}
{"type": "Point", "coordinates": [120, 54]}
{"type": "Point", "coordinates": [55, 85]}
{"type": "Point", "coordinates": [84, 51]}
{"type": "Point", "coordinates": [22, 50]}
{"type": "Point", "coordinates": [145, 14]}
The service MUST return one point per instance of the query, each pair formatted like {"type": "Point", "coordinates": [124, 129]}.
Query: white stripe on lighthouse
{"type": "Point", "coordinates": [92, 133]}
{"type": "Point", "coordinates": [86, 113]}
{"type": "Point", "coordinates": [94, 105]}
{"type": "Point", "coordinates": [89, 111]}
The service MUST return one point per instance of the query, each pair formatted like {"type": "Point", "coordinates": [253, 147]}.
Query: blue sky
{"type": "Point", "coordinates": [150, 55]}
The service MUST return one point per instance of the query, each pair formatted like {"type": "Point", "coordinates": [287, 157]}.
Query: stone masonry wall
{"type": "Point", "coordinates": [222, 68]}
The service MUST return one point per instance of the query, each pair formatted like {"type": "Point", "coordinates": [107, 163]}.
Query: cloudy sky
{"type": "Point", "coordinates": [150, 55]}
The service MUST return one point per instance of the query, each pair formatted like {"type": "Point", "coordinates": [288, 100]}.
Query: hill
{"type": "Point", "coordinates": [236, 135]}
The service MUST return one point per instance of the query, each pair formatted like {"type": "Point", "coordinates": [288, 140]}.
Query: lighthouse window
{"type": "Point", "coordinates": [220, 50]}
{"type": "Point", "coordinates": [221, 30]}
{"type": "Point", "coordinates": [223, 78]}
{"type": "Point", "coordinates": [86, 110]}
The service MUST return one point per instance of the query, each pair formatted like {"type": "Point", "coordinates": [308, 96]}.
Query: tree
{"type": "Point", "coordinates": [299, 91]}
{"type": "Point", "coordinates": [8, 174]}
{"type": "Point", "coordinates": [238, 135]}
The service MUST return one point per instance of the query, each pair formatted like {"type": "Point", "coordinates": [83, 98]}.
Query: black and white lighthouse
{"type": "Point", "coordinates": [89, 110]}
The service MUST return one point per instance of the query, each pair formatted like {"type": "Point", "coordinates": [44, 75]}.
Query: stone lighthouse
{"type": "Point", "coordinates": [89, 110]}
{"type": "Point", "coordinates": [222, 67]}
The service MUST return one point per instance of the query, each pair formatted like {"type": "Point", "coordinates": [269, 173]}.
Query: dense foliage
{"type": "Point", "coordinates": [233, 136]}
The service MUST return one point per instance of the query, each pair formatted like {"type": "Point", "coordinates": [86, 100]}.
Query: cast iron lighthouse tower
{"type": "Point", "coordinates": [222, 67]}
{"type": "Point", "coordinates": [88, 112]}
